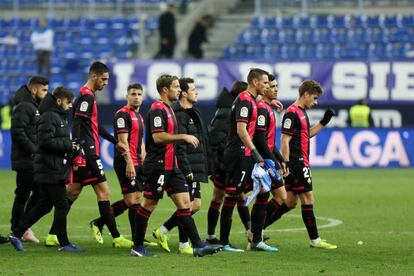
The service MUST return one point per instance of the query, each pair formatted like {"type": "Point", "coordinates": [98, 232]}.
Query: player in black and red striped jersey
{"type": "Point", "coordinates": [264, 139]}
{"type": "Point", "coordinates": [86, 131]}
{"type": "Point", "coordinates": [296, 134]}
{"type": "Point", "coordinates": [241, 154]}
{"type": "Point", "coordinates": [129, 129]}
{"type": "Point", "coordinates": [162, 172]}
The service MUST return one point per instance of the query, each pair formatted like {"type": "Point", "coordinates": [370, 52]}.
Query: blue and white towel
{"type": "Point", "coordinates": [262, 179]}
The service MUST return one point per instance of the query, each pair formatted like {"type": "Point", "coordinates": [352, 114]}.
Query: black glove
{"type": "Point", "coordinates": [327, 116]}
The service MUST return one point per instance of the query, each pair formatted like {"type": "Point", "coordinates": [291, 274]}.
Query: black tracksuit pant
{"type": "Point", "coordinates": [26, 196]}
{"type": "Point", "coordinates": [51, 195]}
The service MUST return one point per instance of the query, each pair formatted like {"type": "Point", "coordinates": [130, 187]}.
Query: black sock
{"type": "Point", "coordinates": [310, 221]}
{"type": "Point", "coordinates": [186, 224]}
{"type": "Point", "coordinates": [141, 223]}
{"type": "Point", "coordinates": [52, 230]}
{"type": "Point", "coordinates": [274, 212]}
{"type": "Point", "coordinates": [132, 212]}
{"type": "Point", "coordinates": [226, 218]}
{"type": "Point", "coordinates": [118, 208]}
{"type": "Point", "coordinates": [244, 213]}
{"type": "Point", "coordinates": [258, 216]}
{"type": "Point", "coordinates": [108, 217]}
{"type": "Point", "coordinates": [212, 217]}
{"type": "Point", "coordinates": [171, 222]}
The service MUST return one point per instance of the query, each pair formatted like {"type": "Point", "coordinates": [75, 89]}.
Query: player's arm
{"type": "Point", "coordinates": [284, 141]}
{"type": "Point", "coordinates": [143, 150]}
{"type": "Point", "coordinates": [245, 138]}
{"type": "Point", "coordinates": [130, 169]}
{"type": "Point", "coordinates": [322, 123]}
{"type": "Point", "coordinates": [166, 138]}
{"type": "Point", "coordinates": [259, 138]}
{"type": "Point", "coordinates": [158, 125]}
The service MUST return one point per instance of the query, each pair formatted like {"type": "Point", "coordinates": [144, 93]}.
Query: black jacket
{"type": "Point", "coordinates": [54, 144]}
{"type": "Point", "coordinates": [190, 159]}
{"type": "Point", "coordinates": [219, 129]}
{"type": "Point", "coordinates": [23, 129]}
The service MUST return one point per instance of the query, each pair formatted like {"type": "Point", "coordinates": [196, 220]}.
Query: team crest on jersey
{"type": "Point", "coordinates": [84, 106]}
{"type": "Point", "coordinates": [157, 121]}
{"type": "Point", "coordinates": [287, 123]}
{"type": "Point", "coordinates": [120, 123]}
{"type": "Point", "coordinates": [261, 120]}
{"type": "Point", "coordinates": [244, 112]}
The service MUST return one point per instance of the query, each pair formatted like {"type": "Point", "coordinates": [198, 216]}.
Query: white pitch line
{"type": "Point", "coordinates": [332, 222]}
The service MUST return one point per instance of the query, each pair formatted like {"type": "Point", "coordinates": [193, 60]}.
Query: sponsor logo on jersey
{"type": "Point", "coordinates": [84, 106]}
{"type": "Point", "coordinates": [157, 121]}
{"type": "Point", "coordinates": [261, 121]}
{"type": "Point", "coordinates": [287, 124]}
{"type": "Point", "coordinates": [244, 112]}
{"type": "Point", "coordinates": [120, 123]}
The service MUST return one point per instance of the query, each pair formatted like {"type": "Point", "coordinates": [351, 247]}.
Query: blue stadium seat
{"type": "Point", "coordinates": [259, 22]}
{"type": "Point", "coordinates": [399, 35]}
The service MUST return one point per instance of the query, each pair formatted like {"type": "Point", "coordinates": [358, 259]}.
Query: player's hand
{"type": "Point", "coordinates": [190, 139]}
{"type": "Point", "coordinates": [285, 169]}
{"type": "Point", "coordinates": [189, 176]}
{"type": "Point", "coordinates": [121, 147]}
{"type": "Point", "coordinates": [277, 104]}
{"type": "Point", "coordinates": [327, 116]}
{"type": "Point", "coordinates": [130, 171]}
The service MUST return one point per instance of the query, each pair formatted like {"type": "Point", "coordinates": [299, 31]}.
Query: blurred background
{"type": "Point", "coordinates": [361, 51]}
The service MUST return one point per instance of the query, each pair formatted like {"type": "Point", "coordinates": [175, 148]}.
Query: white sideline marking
{"type": "Point", "coordinates": [332, 222]}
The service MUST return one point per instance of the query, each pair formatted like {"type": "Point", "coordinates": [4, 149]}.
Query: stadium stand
{"type": "Point", "coordinates": [326, 37]}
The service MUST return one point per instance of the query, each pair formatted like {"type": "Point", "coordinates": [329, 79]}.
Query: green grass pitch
{"type": "Point", "coordinates": [373, 206]}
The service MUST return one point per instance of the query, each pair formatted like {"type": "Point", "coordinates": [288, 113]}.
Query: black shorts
{"type": "Point", "coordinates": [218, 179]}
{"type": "Point", "coordinates": [239, 174]}
{"type": "Point", "coordinates": [299, 179]}
{"type": "Point", "coordinates": [93, 173]}
{"type": "Point", "coordinates": [276, 184]}
{"type": "Point", "coordinates": [194, 189]}
{"type": "Point", "coordinates": [127, 185]}
{"type": "Point", "coordinates": [158, 180]}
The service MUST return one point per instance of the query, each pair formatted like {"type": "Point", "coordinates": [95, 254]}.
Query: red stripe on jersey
{"type": "Point", "coordinates": [304, 136]}
{"type": "Point", "coordinates": [169, 148]}
{"type": "Point", "coordinates": [271, 125]}
{"type": "Point", "coordinates": [81, 114]}
{"type": "Point", "coordinates": [94, 119]}
{"type": "Point", "coordinates": [251, 124]}
{"type": "Point", "coordinates": [133, 137]}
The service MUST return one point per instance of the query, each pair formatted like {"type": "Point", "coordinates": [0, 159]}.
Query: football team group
{"type": "Point", "coordinates": [172, 150]}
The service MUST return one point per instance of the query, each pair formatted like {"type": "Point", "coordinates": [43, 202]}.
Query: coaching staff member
{"type": "Point", "coordinates": [23, 133]}
{"type": "Point", "coordinates": [51, 168]}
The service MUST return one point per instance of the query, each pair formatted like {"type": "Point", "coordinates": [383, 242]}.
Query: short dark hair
{"type": "Point", "coordinates": [271, 77]}
{"type": "Point", "coordinates": [134, 86]}
{"type": "Point", "coordinates": [255, 73]}
{"type": "Point", "coordinates": [38, 80]}
{"type": "Point", "coordinates": [184, 84]}
{"type": "Point", "coordinates": [238, 86]}
{"type": "Point", "coordinates": [311, 86]}
{"type": "Point", "coordinates": [61, 92]}
{"type": "Point", "coordinates": [98, 67]}
{"type": "Point", "coordinates": [165, 81]}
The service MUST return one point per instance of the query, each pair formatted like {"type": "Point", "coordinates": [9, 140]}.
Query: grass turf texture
{"type": "Point", "coordinates": [373, 205]}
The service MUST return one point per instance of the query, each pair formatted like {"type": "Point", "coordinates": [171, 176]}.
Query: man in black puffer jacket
{"type": "Point", "coordinates": [218, 137]}
{"type": "Point", "coordinates": [23, 133]}
{"type": "Point", "coordinates": [192, 161]}
{"type": "Point", "coordinates": [51, 168]}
